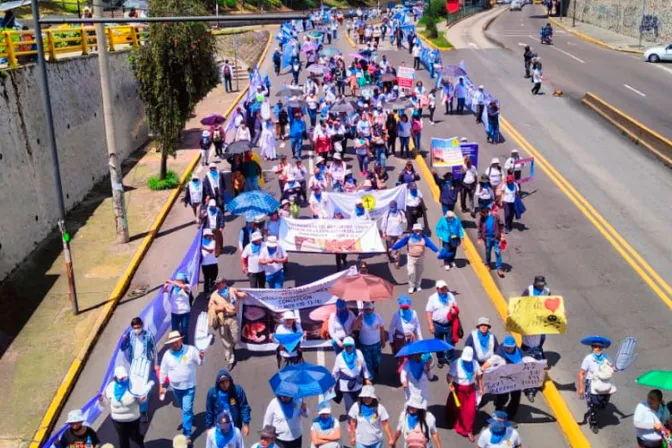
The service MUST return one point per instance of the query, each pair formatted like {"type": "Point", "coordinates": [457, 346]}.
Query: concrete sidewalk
{"type": "Point", "coordinates": [603, 37]}
{"type": "Point", "coordinates": [40, 337]}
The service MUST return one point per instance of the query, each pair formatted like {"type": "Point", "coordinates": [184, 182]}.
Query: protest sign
{"type": "Point", "coordinates": [446, 152]}
{"type": "Point", "coordinates": [468, 150]}
{"type": "Point", "coordinates": [376, 201]}
{"type": "Point", "coordinates": [511, 377]}
{"type": "Point", "coordinates": [406, 77]}
{"type": "Point", "coordinates": [536, 315]}
{"type": "Point", "coordinates": [334, 236]}
{"type": "Point", "coordinates": [261, 312]}
{"type": "Point", "coordinates": [520, 164]}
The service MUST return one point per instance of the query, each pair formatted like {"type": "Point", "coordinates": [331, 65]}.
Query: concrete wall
{"type": "Point", "coordinates": [28, 207]}
{"type": "Point", "coordinates": [625, 16]}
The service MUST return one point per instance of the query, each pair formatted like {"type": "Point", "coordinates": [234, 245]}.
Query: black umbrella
{"type": "Point", "coordinates": [289, 91]}
{"type": "Point", "coordinates": [343, 107]}
{"type": "Point", "coordinates": [398, 104]}
{"type": "Point", "coordinates": [239, 147]}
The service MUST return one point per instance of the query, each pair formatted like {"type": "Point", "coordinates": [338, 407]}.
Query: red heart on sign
{"type": "Point", "coordinates": [552, 304]}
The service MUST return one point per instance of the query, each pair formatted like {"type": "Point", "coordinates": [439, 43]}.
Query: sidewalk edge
{"type": "Point", "coordinates": [586, 37]}
{"type": "Point", "coordinates": [564, 417]}
{"type": "Point", "coordinates": [64, 390]}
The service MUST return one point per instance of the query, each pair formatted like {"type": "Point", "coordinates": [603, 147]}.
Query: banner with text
{"type": "Point", "coordinates": [468, 150]}
{"type": "Point", "coordinates": [376, 202]}
{"type": "Point", "coordinates": [262, 311]}
{"type": "Point", "coordinates": [330, 236]}
{"type": "Point", "coordinates": [537, 315]}
{"type": "Point", "coordinates": [446, 152]}
{"type": "Point", "coordinates": [406, 77]}
{"type": "Point", "coordinates": [512, 377]}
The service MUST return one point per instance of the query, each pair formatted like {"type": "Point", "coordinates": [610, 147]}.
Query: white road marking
{"type": "Point", "coordinates": [662, 67]}
{"type": "Point", "coordinates": [634, 90]}
{"type": "Point", "coordinates": [471, 44]}
{"type": "Point", "coordinates": [571, 43]}
{"type": "Point", "coordinates": [561, 51]}
{"type": "Point", "coordinates": [521, 44]}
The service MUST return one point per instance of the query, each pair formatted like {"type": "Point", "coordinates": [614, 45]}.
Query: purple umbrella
{"type": "Point", "coordinates": [213, 119]}
{"type": "Point", "coordinates": [356, 56]}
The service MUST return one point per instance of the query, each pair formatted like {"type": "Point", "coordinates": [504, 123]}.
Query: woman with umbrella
{"type": "Point", "coordinates": [367, 420]}
{"type": "Point", "coordinates": [350, 372]}
{"type": "Point", "coordinates": [285, 414]}
{"type": "Point", "coordinates": [417, 425]}
{"type": "Point", "coordinates": [415, 374]}
{"type": "Point", "coordinates": [371, 336]}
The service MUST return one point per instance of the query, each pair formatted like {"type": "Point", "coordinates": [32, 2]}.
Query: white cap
{"type": "Point", "coordinates": [324, 409]}
{"type": "Point", "coordinates": [75, 416]}
{"type": "Point", "coordinates": [212, 203]}
{"type": "Point", "coordinates": [514, 150]}
{"type": "Point", "coordinates": [256, 236]}
{"type": "Point", "coordinates": [319, 160]}
{"type": "Point", "coordinates": [480, 87]}
{"type": "Point", "coordinates": [207, 232]}
{"type": "Point", "coordinates": [441, 284]}
{"type": "Point", "coordinates": [349, 341]}
{"type": "Point", "coordinates": [288, 315]}
{"type": "Point", "coordinates": [338, 156]}
{"type": "Point", "coordinates": [417, 226]}
{"type": "Point", "coordinates": [467, 354]}
{"type": "Point", "coordinates": [120, 372]}
{"type": "Point", "coordinates": [272, 241]}
{"type": "Point", "coordinates": [416, 401]}
{"type": "Point", "coordinates": [368, 392]}
{"type": "Point", "coordinates": [212, 165]}
{"type": "Point", "coordinates": [494, 160]}
{"type": "Point", "coordinates": [205, 133]}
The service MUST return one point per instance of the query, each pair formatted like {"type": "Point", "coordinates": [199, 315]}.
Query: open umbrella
{"type": "Point", "coordinates": [331, 52]}
{"type": "Point", "coordinates": [318, 69]}
{"type": "Point", "coordinates": [399, 103]}
{"type": "Point", "coordinates": [657, 379]}
{"type": "Point", "coordinates": [452, 70]}
{"type": "Point", "coordinates": [302, 380]}
{"type": "Point", "coordinates": [253, 203]}
{"type": "Point", "coordinates": [315, 34]}
{"type": "Point", "coordinates": [356, 56]}
{"type": "Point", "coordinates": [364, 287]}
{"type": "Point", "coordinates": [238, 147]}
{"type": "Point", "coordinates": [213, 119]}
{"type": "Point", "coordinates": [296, 104]}
{"type": "Point", "coordinates": [424, 346]}
{"type": "Point", "coordinates": [289, 91]}
{"type": "Point", "coordinates": [388, 77]}
{"type": "Point", "coordinates": [345, 107]}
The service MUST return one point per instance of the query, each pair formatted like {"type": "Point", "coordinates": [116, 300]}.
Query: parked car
{"type": "Point", "coordinates": [659, 53]}
{"type": "Point", "coordinates": [516, 5]}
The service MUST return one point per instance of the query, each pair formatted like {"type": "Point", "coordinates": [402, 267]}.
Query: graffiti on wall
{"type": "Point", "coordinates": [649, 25]}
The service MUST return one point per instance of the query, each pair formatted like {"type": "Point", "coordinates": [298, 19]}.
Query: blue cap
{"type": "Point", "coordinates": [509, 342]}
{"type": "Point", "coordinates": [600, 341]}
{"type": "Point", "coordinates": [181, 276]}
{"type": "Point", "coordinates": [404, 300]}
{"type": "Point", "coordinates": [499, 419]}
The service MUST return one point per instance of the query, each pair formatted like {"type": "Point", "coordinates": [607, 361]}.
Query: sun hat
{"type": "Point", "coordinates": [599, 341]}
{"type": "Point", "coordinates": [509, 342]}
{"type": "Point", "coordinates": [499, 418]}
{"type": "Point", "coordinates": [416, 401]}
{"type": "Point", "coordinates": [467, 354]}
{"type": "Point", "coordinates": [368, 305]}
{"type": "Point", "coordinates": [417, 226]}
{"type": "Point", "coordinates": [256, 236]}
{"type": "Point", "coordinates": [212, 165]}
{"type": "Point", "coordinates": [483, 321]}
{"type": "Point", "coordinates": [173, 336]}
{"type": "Point", "coordinates": [324, 408]}
{"type": "Point", "coordinates": [268, 432]}
{"type": "Point", "coordinates": [285, 202]}
{"type": "Point", "coordinates": [212, 203]}
{"type": "Point", "coordinates": [494, 160]}
{"type": "Point", "coordinates": [514, 150]}
{"type": "Point", "coordinates": [288, 315]}
{"type": "Point", "coordinates": [450, 214]}
{"type": "Point", "coordinates": [272, 241]}
{"type": "Point", "coordinates": [368, 392]}
{"type": "Point", "coordinates": [348, 342]}
{"type": "Point", "coordinates": [441, 284]}
{"type": "Point", "coordinates": [338, 156]}
{"type": "Point", "coordinates": [75, 416]}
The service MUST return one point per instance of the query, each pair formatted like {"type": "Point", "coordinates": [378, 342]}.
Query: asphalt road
{"type": "Point", "coordinates": [252, 372]}
{"type": "Point", "coordinates": [623, 80]}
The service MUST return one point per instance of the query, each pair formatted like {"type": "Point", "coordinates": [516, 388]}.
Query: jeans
{"type": "Point", "coordinates": [431, 114]}
{"type": "Point", "coordinates": [536, 88]}
{"type": "Point", "coordinates": [449, 106]}
{"type": "Point", "coordinates": [257, 279]}
{"type": "Point", "coordinates": [446, 207]}
{"type": "Point", "coordinates": [381, 156]}
{"type": "Point", "coordinates": [479, 113]}
{"type": "Point", "coordinates": [451, 258]}
{"type": "Point", "coordinates": [185, 400]}
{"type": "Point", "coordinates": [252, 183]}
{"type": "Point", "coordinates": [372, 354]}
{"type": "Point", "coordinates": [374, 445]}
{"type": "Point", "coordinates": [493, 131]}
{"type": "Point", "coordinates": [295, 75]}
{"type": "Point", "coordinates": [350, 398]}
{"type": "Point", "coordinates": [403, 143]}
{"type": "Point", "coordinates": [460, 106]}
{"type": "Point", "coordinates": [444, 333]}
{"type": "Point", "coordinates": [363, 160]}
{"type": "Point", "coordinates": [467, 192]}
{"type": "Point", "coordinates": [180, 322]}
{"type": "Point", "coordinates": [508, 216]}
{"type": "Point", "coordinates": [492, 243]}
{"type": "Point", "coordinates": [276, 280]}
{"type": "Point", "coordinates": [508, 402]}
{"type": "Point", "coordinates": [312, 113]}
{"type": "Point", "coordinates": [227, 84]}
{"type": "Point", "coordinates": [297, 145]}
{"type": "Point", "coordinates": [391, 144]}
{"type": "Point", "coordinates": [276, 68]}
{"type": "Point", "coordinates": [417, 139]}
{"type": "Point", "coordinates": [416, 63]}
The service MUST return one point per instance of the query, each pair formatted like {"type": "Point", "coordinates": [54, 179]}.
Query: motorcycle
{"type": "Point", "coordinates": [547, 40]}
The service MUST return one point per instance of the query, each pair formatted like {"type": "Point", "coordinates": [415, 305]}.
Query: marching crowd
{"type": "Point", "coordinates": [369, 122]}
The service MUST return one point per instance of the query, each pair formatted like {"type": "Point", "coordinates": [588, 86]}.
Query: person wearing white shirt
{"type": "Point", "coordinates": [417, 49]}
{"type": "Point", "coordinates": [537, 78]}
{"type": "Point", "coordinates": [404, 325]}
{"type": "Point", "coordinates": [285, 414]}
{"type": "Point", "coordinates": [180, 298]}
{"type": "Point", "coordinates": [300, 172]}
{"type": "Point", "coordinates": [209, 260]}
{"type": "Point", "coordinates": [250, 261]}
{"type": "Point", "coordinates": [289, 325]}
{"type": "Point", "coordinates": [340, 325]}
{"type": "Point", "coordinates": [272, 259]}
{"type": "Point", "coordinates": [593, 367]}
{"type": "Point", "coordinates": [392, 225]}
{"type": "Point", "coordinates": [465, 382]}
{"type": "Point", "coordinates": [416, 422]}
{"type": "Point", "coordinates": [512, 167]}
{"type": "Point", "coordinates": [478, 100]}
{"type": "Point", "coordinates": [415, 374]}
{"type": "Point", "coordinates": [242, 133]}
{"type": "Point", "coordinates": [317, 203]}
{"type": "Point", "coordinates": [440, 312]}
{"type": "Point", "coordinates": [468, 185]}
{"type": "Point", "coordinates": [224, 434]}
{"type": "Point", "coordinates": [350, 372]}
{"type": "Point", "coordinates": [317, 180]}
{"type": "Point", "coordinates": [325, 432]}
{"type": "Point", "coordinates": [178, 368]}
{"type": "Point", "coordinates": [509, 191]}
{"type": "Point", "coordinates": [650, 419]}
{"type": "Point", "coordinates": [494, 173]}
{"type": "Point", "coordinates": [124, 409]}
{"type": "Point", "coordinates": [499, 434]}
{"type": "Point", "coordinates": [461, 95]}
{"type": "Point", "coordinates": [371, 336]}
{"type": "Point", "coordinates": [482, 341]}
{"type": "Point", "coordinates": [367, 420]}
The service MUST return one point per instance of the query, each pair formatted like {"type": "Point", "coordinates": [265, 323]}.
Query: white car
{"type": "Point", "coordinates": [516, 5]}
{"type": "Point", "coordinates": [660, 53]}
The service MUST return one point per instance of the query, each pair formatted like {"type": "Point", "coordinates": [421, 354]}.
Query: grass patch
{"type": "Point", "coordinates": [440, 41]}
{"type": "Point", "coordinates": [171, 181]}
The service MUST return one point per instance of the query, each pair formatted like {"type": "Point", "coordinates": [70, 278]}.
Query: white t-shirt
{"type": "Point", "coordinates": [509, 194]}
{"type": "Point", "coordinates": [180, 370]}
{"type": "Point", "coordinates": [253, 265]}
{"type": "Point", "coordinates": [645, 418]}
{"type": "Point", "coordinates": [235, 442]}
{"type": "Point", "coordinates": [460, 376]}
{"type": "Point", "coordinates": [208, 257]}
{"type": "Point", "coordinates": [495, 175]}
{"type": "Point", "coordinates": [592, 366]}
{"type": "Point", "coordinates": [393, 224]}
{"type": "Point", "coordinates": [403, 327]}
{"type": "Point", "coordinates": [536, 76]}
{"type": "Point", "coordinates": [415, 386]}
{"type": "Point", "coordinates": [179, 301]}
{"type": "Point", "coordinates": [438, 309]}
{"type": "Point", "coordinates": [511, 439]}
{"type": "Point", "coordinates": [370, 334]}
{"type": "Point", "coordinates": [360, 369]}
{"type": "Point", "coordinates": [413, 201]}
{"type": "Point", "coordinates": [321, 432]}
{"type": "Point", "coordinates": [470, 175]}
{"type": "Point", "coordinates": [429, 419]}
{"type": "Point", "coordinates": [287, 429]}
{"type": "Point", "coordinates": [369, 431]}
{"type": "Point", "coordinates": [272, 268]}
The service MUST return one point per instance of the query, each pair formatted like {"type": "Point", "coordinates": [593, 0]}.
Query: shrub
{"type": "Point", "coordinates": [171, 181]}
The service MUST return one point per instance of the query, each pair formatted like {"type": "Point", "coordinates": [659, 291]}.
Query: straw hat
{"type": "Point", "coordinates": [173, 336]}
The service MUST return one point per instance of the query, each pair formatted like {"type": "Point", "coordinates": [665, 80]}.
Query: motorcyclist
{"type": "Point", "coordinates": [527, 56]}
{"type": "Point", "coordinates": [546, 33]}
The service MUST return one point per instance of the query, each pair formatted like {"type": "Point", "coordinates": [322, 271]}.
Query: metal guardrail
{"type": "Point", "coordinates": [20, 46]}
{"type": "Point", "coordinates": [464, 11]}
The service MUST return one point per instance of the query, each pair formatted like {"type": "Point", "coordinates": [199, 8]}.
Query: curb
{"type": "Point", "coordinates": [434, 46]}
{"type": "Point", "coordinates": [64, 390]}
{"type": "Point", "coordinates": [636, 131]}
{"type": "Point", "coordinates": [585, 37]}
{"type": "Point", "coordinates": [564, 417]}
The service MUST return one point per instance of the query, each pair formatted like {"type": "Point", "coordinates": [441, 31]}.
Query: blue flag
{"type": "Point", "coordinates": [287, 54]}
{"type": "Point", "coordinates": [289, 341]}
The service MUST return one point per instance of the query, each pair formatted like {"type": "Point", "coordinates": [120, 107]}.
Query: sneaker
{"type": "Point", "coordinates": [418, 288]}
{"type": "Point", "coordinates": [595, 429]}
{"type": "Point", "coordinates": [452, 265]}
{"type": "Point", "coordinates": [446, 267]}
{"type": "Point", "coordinates": [500, 273]}
{"type": "Point", "coordinates": [411, 289]}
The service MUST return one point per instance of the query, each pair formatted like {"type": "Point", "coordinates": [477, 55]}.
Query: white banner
{"type": "Point", "coordinates": [376, 202]}
{"type": "Point", "coordinates": [346, 236]}
{"type": "Point", "coordinates": [512, 377]}
{"type": "Point", "coordinates": [262, 310]}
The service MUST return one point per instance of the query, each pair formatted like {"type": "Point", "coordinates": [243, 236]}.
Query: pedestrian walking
{"type": "Point", "coordinates": [181, 299]}
{"type": "Point", "coordinates": [250, 261]}
{"type": "Point", "coordinates": [465, 382]}
{"type": "Point", "coordinates": [478, 103]}
{"type": "Point", "coordinates": [537, 78]}
{"type": "Point", "coordinates": [286, 356]}
{"type": "Point", "coordinates": [485, 194]}
{"type": "Point", "coordinates": [284, 414]}
{"type": "Point", "coordinates": [325, 431]}
{"type": "Point", "coordinates": [223, 316]}
{"type": "Point", "coordinates": [212, 218]}
{"type": "Point", "coordinates": [273, 258]}
{"type": "Point", "coordinates": [595, 379]}
{"type": "Point", "coordinates": [499, 433]}
{"type": "Point", "coordinates": [209, 264]}
{"type": "Point", "coordinates": [651, 421]}
{"type": "Point", "coordinates": [461, 95]}
{"type": "Point", "coordinates": [416, 243]}
{"type": "Point", "coordinates": [417, 425]}
{"type": "Point", "coordinates": [340, 325]}
{"type": "Point", "coordinates": [509, 193]}
{"type": "Point", "coordinates": [77, 434]}
{"type": "Point", "coordinates": [533, 344]}
{"type": "Point", "coordinates": [194, 196]}
{"type": "Point", "coordinates": [367, 421]}
{"type": "Point", "coordinates": [226, 396]}
{"type": "Point", "coordinates": [482, 341]}
{"type": "Point", "coordinates": [490, 235]}
{"type": "Point", "coordinates": [224, 434]}
{"type": "Point", "coordinates": [371, 341]}
{"type": "Point", "coordinates": [449, 190]}
{"type": "Point", "coordinates": [415, 374]}
{"type": "Point", "coordinates": [468, 184]}
{"type": "Point", "coordinates": [267, 437]}
{"type": "Point", "coordinates": [451, 233]}
{"type": "Point", "coordinates": [178, 369]}
{"type": "Point", "coordinates": [139, 342]}
{"type": "Point", "coordinates": [393, 223]}
{"type": "Point", "coordinates": [415, 205]}
{"type": "Point", "coordinates": [227, 76]}
{"type": "Point", "coordinates": [511, 354]}
{"type": "Point", "coordinates": [441, 313]}
{"type": "Point", "coordinates": [351, 373]}
{"type": "Point", "coordinates": [124, 409]}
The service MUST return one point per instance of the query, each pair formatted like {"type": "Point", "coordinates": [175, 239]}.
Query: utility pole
{"type": "Point", "coordinates": [113, 162]}
{"type": "Point", "coordinates": [235, 61]}
{"type": "Point", "coordinates": [46, 99]}
{"type": "Point", "coordinates": [641, 22]}
{"type": "Point", "coordinates": [574, 14]}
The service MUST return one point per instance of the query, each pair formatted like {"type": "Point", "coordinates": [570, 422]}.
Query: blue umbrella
{"type": "Point", "coordinates": [302, 380]}
{"type": "Point", "coordinates": [253, 203]}
{"type": "Point", "coordinates": [453, 70]}
{"type": "Point", "coordinates": [424, 346]}
{"type": "Point", "coordinates": [331, 52]}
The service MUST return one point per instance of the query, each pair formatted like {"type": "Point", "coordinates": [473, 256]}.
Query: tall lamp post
{"type": "Point", "coordinates": [574, 14]}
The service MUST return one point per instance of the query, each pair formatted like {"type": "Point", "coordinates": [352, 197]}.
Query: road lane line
{"type": "Point", "coordinates": [568, 54]}
{"type": "Point", "coordinates": [471, 44]}
{"type": "Point", "coordinates": [668, 70]}
{"type": "Point", "coordinates": [649, 275]}
{"type": "Point", "coordinates": [522, 44]}
{"type": "Point", "coordinates": [634, 90]}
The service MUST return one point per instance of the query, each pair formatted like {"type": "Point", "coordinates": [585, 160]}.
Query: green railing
{"type": "Point", "coordinates": [465, 11]}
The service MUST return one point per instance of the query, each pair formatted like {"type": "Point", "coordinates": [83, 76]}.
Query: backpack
{"type": "Point", "coordinates": [227, 70]}
{"type": "Point", "coordinates": [217, 136]}
{"type": "Point", "coordinates": [416, 439]}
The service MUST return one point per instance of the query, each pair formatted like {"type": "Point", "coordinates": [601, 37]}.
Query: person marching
{"type": "Point", "coordinates": [351, 373]}
{"type": "Point", "coordinates": [289, 325]}
{"type": "Point", "coordinates": [340, 325]}
{"type": "Point", "coordinates": [404, 326]}
{"type": "Point", "coordinates": [371, 337]}
{"type": "Point", "coordinates": [440, 313]}
{"type": "Point", "coordinates": [224, 434]}
{"type": "Point", "coordinates": [594, 382]}
{"type": "Point", "coordinates": [451, 233]}
{"type": "Point", "coordinates": [226, 396]}
{"type": "Point", "coordinates": [250, 261]}
{"type": "Point", "coordinates": [194, 196]}
{"type": "Point", "coordinates": [181, 299]}
{"type": "Point", "coordinates": [273, 259]}
{"type": "Point", "coordinates": [212, 218]}
{"type": "Point", "coordinates": [223, 316]}
{"type": "Point", "coordinates": [465, 383]}
{"type": "Point", "coordinates": [511, 354]}
{"type": "Point", "coordinates": [267, 437]}
{"type": "Point", "coordinates": [416, 243]}
{"type": "Point", "coordinates": [415, 375]}
{"type": "Point", "coordinates": [285, 414]}
{"type": "Point", "coordinates": [499, 433]}
{"type": "Point", "coordinates": [490, 234]}
{"type": "Point", "coordinates": [214, 185]}
{"type": "Point", "coordinates": [124, 409]}
{"type": "Point", "coordinates": [650, 421]}
{"type": "Point", "coordinates": [138, 342]}
{"type": "Point", "coordinates": [482, 341]}
{"type": "Point", "coordinates": [367, 421]}
{"type": "Point", "coordinates": [209, 264]}
{"type": "Point", "coordinates": [417, 425]}
{"type": "Point", "coordinates": [178, 368]}
{"type": "Point", "coordinates": [393, 224]}
{"type": "Point", "coordinates": [325, 431]}
{"type": "Point", "coordinates": [533, 345]}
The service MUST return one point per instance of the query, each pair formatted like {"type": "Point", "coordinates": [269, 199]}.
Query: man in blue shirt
{"type": "Point", "coordinates": [490, 233]}
{"type": "Point", "coordinates": [296, 131]}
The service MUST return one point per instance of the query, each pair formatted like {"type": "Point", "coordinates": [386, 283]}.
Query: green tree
{"type": "Point", "coordinates": [175, 70]}
{"type": "Point", "coordinates": [432, 14]}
